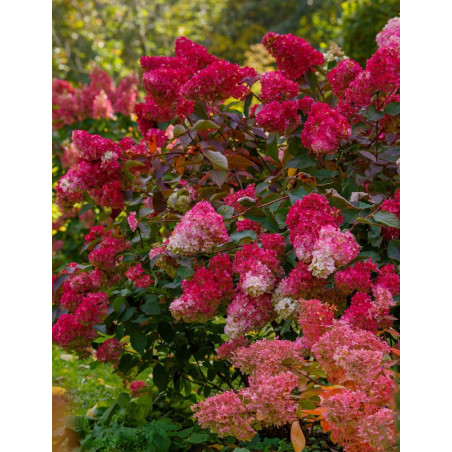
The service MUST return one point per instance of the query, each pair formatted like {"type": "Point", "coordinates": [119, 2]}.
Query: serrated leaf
{"type": "Point", "coordinates": [204, 124]}
{"type": "Point", "coordinates": [373, 114]}
{"type": "Point", "coordinates": [247, 105]}
{"type": "Point", "coordinates": [266, 219]}
{"type": "Point", "coordinates": [386, 218]}
{"type": "Point", "coordinates": [218, 160]}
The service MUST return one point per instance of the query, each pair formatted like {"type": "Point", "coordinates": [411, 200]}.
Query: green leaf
{"type": "Point", "coordinates": [218, 160]}
{"type": "Point", "coordinates": [265, 219]}
{"type": "Point", "coordinates": [85, 208]}
{"type": "Point", "coordinates": [386, 218]}
{"type": "Point", "coordinates": [204, 124]}
{"type": "Point", "coordinates": [226, 211]}
{"type": "Point", "coordinates": [247, 105]}
{"type": "Point", "coordinates": [199, 110]}
{"type": "Point", "coordinates": [151, 307]}
{"type": "Point", "coordinates": [272, 146]}
{"type": "Point", "coordinates": [392, 109]}
{"type": "Point", "coordinates": [133, 163]}
{"type": "Point", "coordinates": [160, 377]}
{"type": "Point", "coordinates": [197, 438]}
{"type": "Point", "coordinates": [373, 114]}
{"type": "Point", "coordinates": [394, 249]}
{"type": "Point", "coordinates": [311, 80]}
{"type": "Point", "coordinates": [178, 130]}
{"type": "Point", "coordinates": [138, 340]}
{"type": "Point", "coordinates": [296, 194]}
{"type": "Point", "coordinates": [240, 235]}
{"type": "Point", "coordinates": [300, 162]}
{"type": "Point", "coordinates": [218, 176]}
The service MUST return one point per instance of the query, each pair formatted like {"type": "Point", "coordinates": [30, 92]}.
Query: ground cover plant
{"type": "Point", "coordinates": [241, 269]}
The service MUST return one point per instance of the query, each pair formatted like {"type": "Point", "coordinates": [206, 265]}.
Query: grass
{"type": "Point", "coordinates": [85, 386]}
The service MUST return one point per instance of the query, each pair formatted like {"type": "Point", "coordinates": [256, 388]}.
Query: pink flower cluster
{"type": "Point", "coordinates": [390, 35]}
{"type": "Point", "coordinates": [96, 171]}
{"type": "Point", "coordinates": [314, 319]}
{"type": "Point", "coordinates": [392, 205]}
{"type": "Point", "coordinates": [246, 194]}
{"type": "Point", "coordinates": [99, 99]}
{"type": "Point", "coordinates": [342, 75]}
{"type": "Point", "coordinates": [305, 219]}
{"type": "Point", "coordinates": [279, 117]}
{"type": "Point", "coordinates": [339, 351]}
{"type": "Point", "coordinates": [139, 278]}
{"type": "Point", "coordinates": [276, 87]}
{"type": "Point", "coordinates": [137, 386]}
{"type": "Point", "coordinates": [199, 230]}
{"type": "Point", "coordinates": [294, 55]}
{"type": "Point", "coordinates": [104, 257]}
{"type": "Point", "coordinates": [258, 269]}
{"type": "Point", "coordinates": [174, 84]}
{"type": "Point", "coordinates": [324, 130]}
{"type": "Point", "coordinates": [268, 356]}
{"type": "Point", "coordinates": [357, 88]}
{"type": "Point", "coordinates": [265, 402]}
{"type": "Point", "coordinates": [359, 425]}
{"type": "Point", "coordinates": [110, 351]}
{"type": "Point", "coordinates": [332, 250]}
{"type": "Point", "coordinates": [246, 313]}
{"type": "Point", "coordinates": [357, 277]}
{"type": "Point", "coordinates": [205, 292]}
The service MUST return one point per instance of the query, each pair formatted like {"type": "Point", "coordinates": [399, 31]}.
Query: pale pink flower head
{"type": "Point", "coordinates": [102, 107]}
{"type": "Point", "coordinates": [132, 220]}
{"type": "Point", "coordinates": [390, 34]}
{"type": "Point", "coordinates": [332, 250]}
{"type": "Point", "coordinates": [199, 230]}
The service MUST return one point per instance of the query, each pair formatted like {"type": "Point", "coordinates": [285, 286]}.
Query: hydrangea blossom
{"type": "Point", "coordinates": [139, 278]}
{"type": "Point", "coordinates": [110, 351]}
{"type": "Point", "coordinates": [217, 82]}
{"type": "Point", "coordinates": [233, 198]}
{"type": "Point", "coordinates": [268, 356]}
{"type": "Point", "coordinates": [342, 75]}
{"type": "Point", "coordinates": [258, 269]}
{"type": "Point", "coordinates": [324, 130]}
{"type": "Point", "coordinates": [331, 250]}
{"type": "Point", "coordinates": [246, 313]}
{"type": "Point", "coordinates": [294, 56]}
{"type": "Point", "coordinates": [132, 220]}
{"type": "Point", "coordinates": [226, 415]}
{"type": "Point", "coordinates": [340, 335]}
{"type": "Point", "coordinates": [92, 309]}
{"type": "Point", "coordinates": [279, 117]}
{"type": "Point", "coordinates": [199, 230]}
{"type": "Point", "coordinates": [390, 34]}
{"type": "Point", "coordinates": [314, 319]}
{"type": "Point", "coordinates": [277, 87]}
{"type": "Point", "coordinates": [356, 277]}
{"type": "Point", "coordinates": [305, 219]}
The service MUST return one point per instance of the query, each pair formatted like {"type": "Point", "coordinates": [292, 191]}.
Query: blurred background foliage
{"type": "Point", "coordinates": [116, 33]}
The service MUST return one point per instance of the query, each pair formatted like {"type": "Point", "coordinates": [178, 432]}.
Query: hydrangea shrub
{"type": "Point", "coordinates": [247, 244]}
